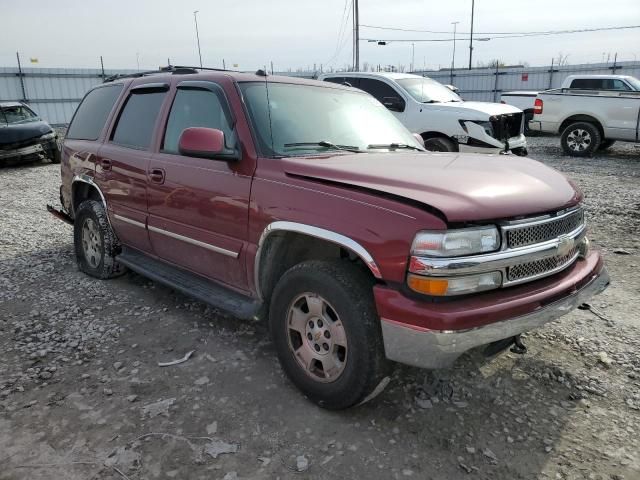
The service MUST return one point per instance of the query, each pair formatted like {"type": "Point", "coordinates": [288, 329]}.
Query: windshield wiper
{"type": "Point", "coordinates": [325, 144]}
{"type": "Point", "coordinates": [394, 146]}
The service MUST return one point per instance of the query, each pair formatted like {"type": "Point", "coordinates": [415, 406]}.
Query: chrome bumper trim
{"type": "Point", "coordinates": [440, 348]}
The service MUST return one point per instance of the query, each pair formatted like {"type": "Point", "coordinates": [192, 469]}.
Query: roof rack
{"type": "Point", "coordinates": [173, 69]}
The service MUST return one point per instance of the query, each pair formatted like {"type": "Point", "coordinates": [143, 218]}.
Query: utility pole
{"type": "Point", "coordinates": [356, 37]}
{"type": "Point", "coordinates": [453, 58]}
{"type": "Point", "coordinates": [473, 4]}
{"type": "Point", "coordinates": [195, 18]}
{"type": "Point", "coordinates": [102, 66]}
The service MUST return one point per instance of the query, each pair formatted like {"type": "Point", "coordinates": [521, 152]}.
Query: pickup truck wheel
{"type": "Point", "coordinates": [95, 242]}
{"type": "Point", "coordinates": [439, 144]}
{"type": "Point", "coordinates": [606, 144]}
{"type": "Point", "coordinates": [580, 139]}
{"type": "Point", "coordinates": [326, 331]}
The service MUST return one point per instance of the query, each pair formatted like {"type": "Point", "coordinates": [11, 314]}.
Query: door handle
{"type": "Point", "coordinates": [156, 175]}
{"type": "Point", "coordinates": [105, 163]}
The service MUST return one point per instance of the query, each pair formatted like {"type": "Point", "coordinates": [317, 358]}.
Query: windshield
{"type": "Point", "coordinates": [634, 82]}
{"type": "Point", "coordinates": [18, 114]}
{"type": "Point", "coordinates": [307, 119]}
{"type": "Point", "coordinates": [426, 90]}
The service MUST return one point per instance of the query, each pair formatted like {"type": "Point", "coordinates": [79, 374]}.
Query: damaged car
{"type": "Point", "coordinates": [24, 136]}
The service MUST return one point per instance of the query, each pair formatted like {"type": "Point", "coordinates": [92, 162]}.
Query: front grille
{"type": "Point", "coordinates": [507, 126]}
{"type": "Point", "coordinates": [531, 270]}
{"type": "Point", "coordinates": [542, 232]}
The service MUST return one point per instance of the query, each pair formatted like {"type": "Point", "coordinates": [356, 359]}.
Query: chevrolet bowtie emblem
{"type": "Point", "coordinates": [565, 244]}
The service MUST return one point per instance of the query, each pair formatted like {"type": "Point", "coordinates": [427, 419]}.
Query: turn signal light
{"type": "Point", "coordinates": [428, 286]}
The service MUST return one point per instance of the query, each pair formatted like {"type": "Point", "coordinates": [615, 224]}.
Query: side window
{"type": "Point", "coordinates": [382, 92]}
{"type": "Point", "coordinates": [619, 85]}
{"type": "Point", "coordinates": [92, 113]}
{"type": "Point", "coordinates": [137, 119]}
{"type": "Point", "coordinates": [347, 81]}
{"type": "Point", "coordinates": [196, 108]}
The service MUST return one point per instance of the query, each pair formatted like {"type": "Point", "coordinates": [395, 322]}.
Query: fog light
{"type": "Point", "coordinates": [446, 286]}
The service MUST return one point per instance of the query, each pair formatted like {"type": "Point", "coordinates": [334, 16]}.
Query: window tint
{"type": "Point", "coordinates": [379, 90]}
{"type": "Point", "coordinates": [137, 119]}
{"type": "Point", "coordinates": [92, 113]}
{"type": "Point", "coordinates": [347, 81]}
{"type": "Point", "coordinates": [618, 85]}
{"type": "Point", "coordinates": [196, 108]}
{"type": "Point", "coordinates": [588, 84]}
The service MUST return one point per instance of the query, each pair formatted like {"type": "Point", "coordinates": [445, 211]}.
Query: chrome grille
{"type": "Point", "coordinates": [537, 268]}
{"type": "Point", "coordinates": [544, 231]}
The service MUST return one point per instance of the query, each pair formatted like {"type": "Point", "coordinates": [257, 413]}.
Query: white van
{"type": "Point", "coordinates": [445, 121]}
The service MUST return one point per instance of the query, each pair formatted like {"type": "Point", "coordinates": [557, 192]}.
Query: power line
{"type": "Point", "coordinates": [498, 36]}
{"type": "Point", "coordinates": [342, 33]}
{"type": "Point", "coordinates": [543, 32]}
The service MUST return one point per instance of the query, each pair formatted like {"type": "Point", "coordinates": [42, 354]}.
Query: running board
{"type": "Point", "coordinates": [190, 284]}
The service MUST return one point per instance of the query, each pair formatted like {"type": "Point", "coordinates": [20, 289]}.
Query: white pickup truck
{"type": "Point", "coordinates": [588, 117]}
{"type": "Point", "coordinates": [444, 121]}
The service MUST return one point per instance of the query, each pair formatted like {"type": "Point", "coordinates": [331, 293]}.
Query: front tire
{"type": "Point", "coordinates": [95, 243]}
{"type": "Point", "coordinates": [439, 144]}
{"type": "Point", "coordinates": [326, 332]}
{"type": "Point", "coordinates": [580, 139]}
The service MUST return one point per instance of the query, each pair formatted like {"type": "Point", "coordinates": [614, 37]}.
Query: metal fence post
{"type": "Point", "coordinates": [495, 86]}
{"type": "Point", "coordinates": [21, 76]}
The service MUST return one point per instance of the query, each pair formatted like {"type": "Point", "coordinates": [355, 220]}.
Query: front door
{"type": "Point", "coordinates": [198, 207]}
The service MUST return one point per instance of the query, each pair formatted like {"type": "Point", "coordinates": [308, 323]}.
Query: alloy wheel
{"type": "Point", "coordinates": [91, 243]}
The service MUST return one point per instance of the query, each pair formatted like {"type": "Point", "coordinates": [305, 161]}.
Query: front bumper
{"type": "Point", "coordinates": [427, 348]}
{"type": "Point", "coordinates": [487, 144]}
{"type": "Point", "coordinates": [40, 149]}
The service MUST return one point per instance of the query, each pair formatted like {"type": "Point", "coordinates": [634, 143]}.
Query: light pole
{"type": "Point", "coordinates": [453, 59]}
{"type": "Point", "coordinates": [356, 37]}
{"type": "Point", "coordinates": [413, 56]}
{"type": "Point", "coordinates": [473, 4]}
{"type": "Point", "coordinates": [195, 18]}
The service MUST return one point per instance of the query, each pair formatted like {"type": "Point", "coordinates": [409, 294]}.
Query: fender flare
{"type": "Point", "coordinates": [84, 178]}
{"type": "Point", "coordinates": [315, 232]}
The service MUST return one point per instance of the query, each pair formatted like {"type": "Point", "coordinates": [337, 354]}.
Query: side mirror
{"type": "Point", "coordinates": [395, 104]}
{"type": "Point", "coordinates": [205, 143]}
{"type": "Point", "coordinates": [419, 138]}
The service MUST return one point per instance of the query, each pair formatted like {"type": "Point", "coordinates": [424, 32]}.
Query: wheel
{"type": "Point", "coordinates": [520, 152]}
{"type": "Point", "coordinates": [580, 139]}
{"type": "Point", "coordinates": [326, 332]}
{"type": "Point", "coordinates": [604, 144]}
{"type": "Point", "coordinates": [439, 144]}
{"type": "Point", "coordinates": [95, 242]}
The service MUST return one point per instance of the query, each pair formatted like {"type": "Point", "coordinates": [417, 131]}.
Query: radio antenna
{"type": "Point", "coordinates": [263, 72]}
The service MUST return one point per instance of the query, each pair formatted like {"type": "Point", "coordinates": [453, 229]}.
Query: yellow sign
{"type": "Point", "coordinates": [33, 60]}
{"type": "Point", "coordinates": [235, 65]}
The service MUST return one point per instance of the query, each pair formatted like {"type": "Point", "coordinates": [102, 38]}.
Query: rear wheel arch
{"type": "Point", "coordinates": [84, 188]}
{"type": "Point", "coordinates": [581, 118]}
{"type": "Point", "coordinates": [285, 244]}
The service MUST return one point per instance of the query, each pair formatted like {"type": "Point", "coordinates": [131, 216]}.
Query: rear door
{"type": "Point", "coordinates": [198, 207]}
{"type": "Point", "coordinates": [123, 163]}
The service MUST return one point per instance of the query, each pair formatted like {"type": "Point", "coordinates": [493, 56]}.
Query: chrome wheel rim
{"type": "Point", "coordinates": [91, 243]}
{"type": "Point", "coordinates": [579, 140]}
{"type": "Point", "coordinates": [316, 337]}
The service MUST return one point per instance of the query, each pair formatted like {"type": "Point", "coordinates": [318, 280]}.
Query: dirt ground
{"type": "Point", "coordinates": [82, 395]}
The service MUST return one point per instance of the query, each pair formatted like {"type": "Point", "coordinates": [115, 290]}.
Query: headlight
{"type": "Point", "coordinates": [47, 136]}
{"type": "Point", "coordinates": [445, 286]}
{"type": "Point", "coordinates": [456, 243]}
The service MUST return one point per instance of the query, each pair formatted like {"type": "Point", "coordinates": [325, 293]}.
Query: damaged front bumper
{"type": "Point", "coordinates": [426, 348]}
{"type": "Point", "coordinates": [43, 147]}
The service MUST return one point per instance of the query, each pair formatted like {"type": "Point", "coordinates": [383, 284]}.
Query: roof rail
{"type": "Point", "coordinates": [173, 69]}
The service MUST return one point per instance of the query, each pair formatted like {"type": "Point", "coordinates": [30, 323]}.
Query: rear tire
{"type": "Point", "coordinates": [326, 332]}
{"type": "Point", "coordinates": [439, 144]}
{"type": "Point", "coordinates": [95, 243]}
{"type": "Point", "coordinates": [580, 139]}
{"type": "Point", "coordinates": [605, 144]}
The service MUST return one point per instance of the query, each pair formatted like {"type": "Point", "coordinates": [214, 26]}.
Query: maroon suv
{"type": "Point", "coordinates": [308, 204]}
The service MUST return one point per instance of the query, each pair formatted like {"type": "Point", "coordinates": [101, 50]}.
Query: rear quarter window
{"type": "Point", "coordinates": [92, 113]}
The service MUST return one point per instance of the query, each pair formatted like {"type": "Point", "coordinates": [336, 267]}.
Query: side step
{"type": "Point", "coordinates": [190, 284]}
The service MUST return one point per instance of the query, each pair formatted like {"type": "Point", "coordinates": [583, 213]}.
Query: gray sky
{"type": "Point", "coordinates": [299, 33]}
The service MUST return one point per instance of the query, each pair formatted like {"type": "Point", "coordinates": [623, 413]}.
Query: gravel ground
{"type": "Point", "coordinates": [82, 395]}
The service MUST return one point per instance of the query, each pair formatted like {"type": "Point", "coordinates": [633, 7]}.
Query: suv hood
{"type": "Point", "coordinates": [464, 187]}
{"type": "Point", "coordinates": [485, 109]}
